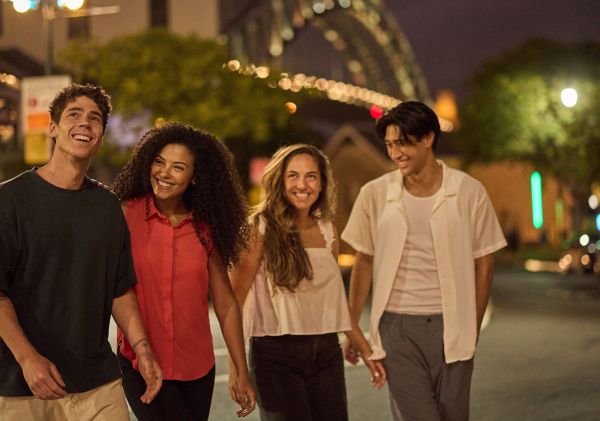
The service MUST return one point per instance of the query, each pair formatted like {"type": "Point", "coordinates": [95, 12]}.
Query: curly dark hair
{"type": "Point", "coordinates": [74, 90]}
{"type": "Point", "coordinates": [215, 197]}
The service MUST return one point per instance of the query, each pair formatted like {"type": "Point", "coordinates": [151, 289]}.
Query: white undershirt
{"type": "Point", "coordinates": [416, 288]}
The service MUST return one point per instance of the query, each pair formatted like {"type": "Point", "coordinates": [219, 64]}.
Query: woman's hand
{"type": "Point", "coordinates": [378, 374]}
{"type": "Point", "coordinates": [242, 392]}
{"type": "Point", "coordinates": [351, 354]}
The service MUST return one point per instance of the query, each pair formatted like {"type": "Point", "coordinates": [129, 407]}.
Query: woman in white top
{"type": "Point", "coordinates": [292, 293]}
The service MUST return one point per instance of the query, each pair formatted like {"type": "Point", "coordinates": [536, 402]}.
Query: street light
{"type": "Point", "coordinates": [568, 97]}
{"type": "Point", "coordinates": [55, 9]}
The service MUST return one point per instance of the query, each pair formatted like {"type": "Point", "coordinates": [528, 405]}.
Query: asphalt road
{"type": "Point", "coordinates": [538, 358]}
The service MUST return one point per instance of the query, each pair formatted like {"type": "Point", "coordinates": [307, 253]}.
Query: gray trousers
{"type": "Point", "coordinates": [422, 386]}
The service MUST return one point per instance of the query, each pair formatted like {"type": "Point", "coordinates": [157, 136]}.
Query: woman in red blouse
{"type": "Point", "coordinates": [186, 213]}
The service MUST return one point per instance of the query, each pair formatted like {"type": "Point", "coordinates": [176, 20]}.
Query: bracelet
{"type": "Point", "coordinates": [144, 339]}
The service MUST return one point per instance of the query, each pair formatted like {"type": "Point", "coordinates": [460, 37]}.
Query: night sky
{"type": "Point", "coordinates": [452, 38]}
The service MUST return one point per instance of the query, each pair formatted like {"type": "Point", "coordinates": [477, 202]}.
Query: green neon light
{"type": "Point", "coordinates": [537, 209]}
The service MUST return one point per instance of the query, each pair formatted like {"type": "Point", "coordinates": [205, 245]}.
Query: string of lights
{"type": "Point", "coordinates": [377, 102]}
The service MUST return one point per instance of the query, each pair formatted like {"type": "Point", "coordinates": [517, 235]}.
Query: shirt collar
{"type": "Point", "coordinates": [396, 186]}
{"type": "Point", "coordinates": [153, 211]}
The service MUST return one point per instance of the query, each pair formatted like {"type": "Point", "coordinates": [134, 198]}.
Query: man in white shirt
{"type": "Point", "coordinates": [424, 237]}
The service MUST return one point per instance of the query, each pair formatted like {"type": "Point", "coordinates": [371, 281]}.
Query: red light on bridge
{"type": "Point", "coordinates": [376, 112]}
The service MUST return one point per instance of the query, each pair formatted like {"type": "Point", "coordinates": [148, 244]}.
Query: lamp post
{"type": "Point", "coordinates": [55, 9]}
{"type": "Point", "coordinates": [568, 97]}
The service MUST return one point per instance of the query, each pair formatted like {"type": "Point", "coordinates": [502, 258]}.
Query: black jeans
{"type": "Point", "coordinates": [177, 400]}
{"type": "Point", "coordinates": [299, 377]}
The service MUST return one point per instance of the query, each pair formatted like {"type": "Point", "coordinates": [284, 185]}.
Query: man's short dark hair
{"type": "Point", "coordinates": [413, 118]}
{"type": "Point", "coordinates": [71, 92]}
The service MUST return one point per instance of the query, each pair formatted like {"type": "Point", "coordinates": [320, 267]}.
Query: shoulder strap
{"type": "Point", "coordinates": [326, 228]}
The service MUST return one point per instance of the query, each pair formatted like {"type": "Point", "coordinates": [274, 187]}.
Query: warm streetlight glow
{"type": "Point", "coordinates": [73, 4]}
{"type": "Point", "coordinates": [21, 6]}
{"type": "Point", "coordinates": [290, 107]}
{"type": "Point", "coordinates": [568, 97]}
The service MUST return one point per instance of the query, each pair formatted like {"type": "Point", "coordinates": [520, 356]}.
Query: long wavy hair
{"type": "Point", "coordinates": [215, 195]}
{"type": "Point", "coordinates": [285, 259]}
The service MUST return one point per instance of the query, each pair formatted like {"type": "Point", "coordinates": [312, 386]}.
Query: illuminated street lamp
{"type": "Point", "coordinates": [55, 9]}
{"type": "Point", "coordinates": [568, 97]}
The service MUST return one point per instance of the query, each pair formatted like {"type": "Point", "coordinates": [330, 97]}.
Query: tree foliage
{"type": "Point", "coordinates": [180, 78]}
{"type": "Point", "coordinates": [514, 111]}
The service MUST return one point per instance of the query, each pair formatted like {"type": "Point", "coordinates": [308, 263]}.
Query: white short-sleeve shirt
{"type": "Point", "coordinates": [464, 227]}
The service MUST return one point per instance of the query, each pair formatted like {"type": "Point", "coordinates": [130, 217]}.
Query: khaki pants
{"type": "Point", "coordinates": [104, 403]}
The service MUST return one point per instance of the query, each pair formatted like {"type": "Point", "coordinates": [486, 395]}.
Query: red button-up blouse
{"type": "Point", "coordinates": [171, 265]}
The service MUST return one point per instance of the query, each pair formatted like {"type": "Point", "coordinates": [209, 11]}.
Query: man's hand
{"type": "Point", "coordinates": [126, 313]}
{"type": "Point", "coordinates": [43, 378]}
{"type": "Point", "coordinates": [355, 347]}
{"type": "Point", "coordinates": [378, 374]}
{"type": "Point", "coordinates": [150, 371]}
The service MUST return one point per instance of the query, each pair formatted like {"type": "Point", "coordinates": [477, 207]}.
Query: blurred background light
{"type": "Point", "coordinates": [376, 112]}
{"type": "Point", "coordinates": [568, 97]}
{"type": "Point", "coordinates": [584, 240]}
{"type": "Point", "coordinates": [73, 4]}
{"type": "Point", "coordinates": [346, 260]}
{"type": "Point", "coordinates": [23, 6]}
{"type": "Point", "coordinates": [537, 210]}
{"type": "Point", "coordinates": [290, 107]}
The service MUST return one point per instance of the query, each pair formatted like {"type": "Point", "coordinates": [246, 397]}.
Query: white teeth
{"type": "Point", "coordinates": [163, 184]}
{"type": "Point", "coordinates": [82, 137]}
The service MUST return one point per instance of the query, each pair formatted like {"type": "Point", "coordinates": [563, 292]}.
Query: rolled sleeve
{"type": "Point", "coordinates": [358, 232]}
{"type": "Point", "coordinates": [487, 233]}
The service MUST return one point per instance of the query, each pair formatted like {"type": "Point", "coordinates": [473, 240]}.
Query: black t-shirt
{"type": "Point", "coordinates": [64, 256]}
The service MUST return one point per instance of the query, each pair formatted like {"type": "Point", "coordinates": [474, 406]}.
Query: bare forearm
{"type": "Point", "coordinates": [229, 318]}
{"type": "Point", "coordinates": [360, 283]}
{"type": "Point", "coordinates": [11, 332]}
{"type": "Point", "coordinates": [484, 275]}
{"type": "Point", "coordinates": [126, 312]}
{"type": "Point", "coordinates": [358, 340]}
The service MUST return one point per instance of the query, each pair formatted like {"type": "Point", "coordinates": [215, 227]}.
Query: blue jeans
{"type": "Point", "coordinates": [299, 377]}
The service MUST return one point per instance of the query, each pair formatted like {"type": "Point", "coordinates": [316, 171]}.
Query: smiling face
{"type": "Point", "coordinates": [302, 182]}
{"type": "Point", "coordinates": [410, 155]}
{"type": "Point", "coordinates": [171, 173]}
{"type": "Point", "coordinates": [79, 131]}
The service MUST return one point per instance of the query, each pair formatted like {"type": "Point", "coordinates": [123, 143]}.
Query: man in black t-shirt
{"type": "Point", "coordinates": [65, 267]}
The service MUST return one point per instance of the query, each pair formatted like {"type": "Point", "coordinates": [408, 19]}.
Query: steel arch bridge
{"type": "Point", "coordinates": [375, 51]}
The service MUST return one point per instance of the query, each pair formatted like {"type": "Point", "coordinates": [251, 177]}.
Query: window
{"type": "Point", "coordinates": [158, 13]}
{"type": "Point", "coordinates": [79, 27]}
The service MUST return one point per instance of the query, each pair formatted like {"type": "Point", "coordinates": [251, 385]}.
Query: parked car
{"type": "Point", "coordinates": [582, 256]}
